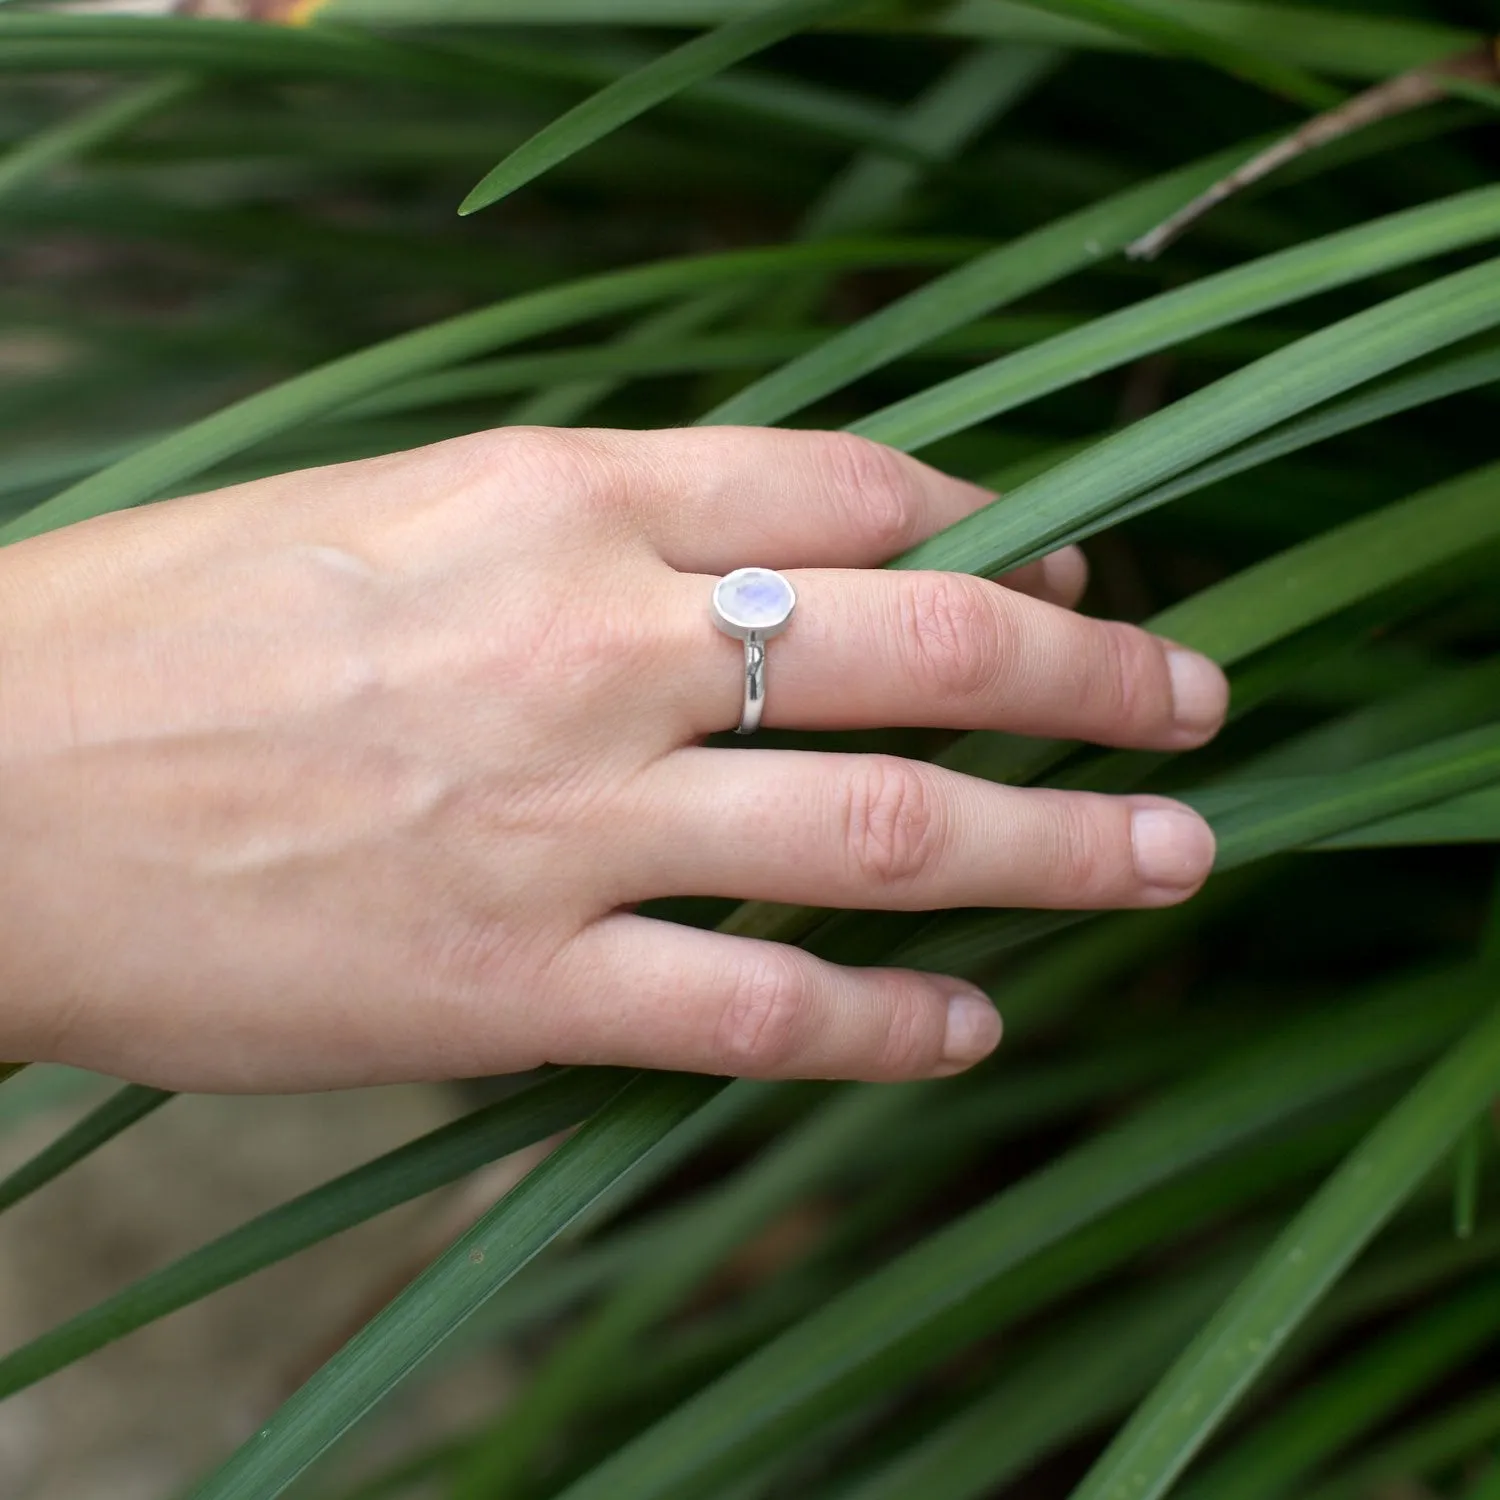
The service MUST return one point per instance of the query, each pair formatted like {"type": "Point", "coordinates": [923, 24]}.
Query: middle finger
{"type": "Point", "coordinates": [887, 648]}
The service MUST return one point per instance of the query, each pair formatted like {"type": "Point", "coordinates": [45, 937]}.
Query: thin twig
{"type": "Point", "coordinates": [1406, 91]}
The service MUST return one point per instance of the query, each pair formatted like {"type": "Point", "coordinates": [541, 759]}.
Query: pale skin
{"type": "Point", "coordinates": [357, 775]}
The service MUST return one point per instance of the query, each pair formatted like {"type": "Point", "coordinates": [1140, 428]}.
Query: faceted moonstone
{"type": "Point", "coordinates": [754, 598]}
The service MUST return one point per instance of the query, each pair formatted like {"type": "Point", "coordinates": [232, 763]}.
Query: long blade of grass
{"type": "Point", "coordinates": [1465, 1427]}
{"type": "Point", "coordinates": [1211, 420]}
{"type": "Point", "coordinates": [1075, 1382]}
{"type": "Point", "coordinates": [1390, 398]}
{"type": "Point", "coordinates": [433, 1160]}
{"type": "Point", "coordinates": [1080, 1379]}
{"type": "Point", "coordinates": [1035, 260]}
{"type": "Point", "coordinates": [1150, 1223]}
{"type": "Point", "coordinates": [34, 42]}
{"type": "Point", "coordinates": [663, 344]}
{"type": "Point", "coordinates": [1444, 703]}
{"type": "Point", "coordinates": [1169, 33]}
{"type": "Point", "coordinates": [1263, 604]}
{"type": "Point", "coordinates": [101, 1125]}
{"type": "Point", "coordinates": [924, 1157]}
{"type": "Point", "coordinates": [802, 107]}
{"type": "Point", "coordinates": [1473, 818]}
{"type": "Point", "coordinates": [72, 138]}
{"type": "Point", "coordinates": [793, 1382]}
{"type": "Point", "coordinates": [871, 192]}
{"type": "Point", "coordinates": [143, 475]}
{"type": "Point", "coordinates": [1281, 815]}
{"type": "Point", "coordinates": [590, 1355]}
{"type": "Point", "coordinates": [1308, 1257]}
{"type": "Point", "coordinates": [1346, 44]}
{"type": "Point", "coordinates": [398, 1338]}
{"type": "Point", "coordinates": [864, 198]}
{"type": "Point", "coordinates": [648, 86]}
{"type": "Point", "coordinates": [1351, 1397]}
{"type": "Point", "coordinates": [1159, 322]}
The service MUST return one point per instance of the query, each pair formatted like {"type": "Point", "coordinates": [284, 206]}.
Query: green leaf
{"type": "Point", "coordinates": [1074, 1382]}
{"type": "Point", "coordinates": [473, 1268]}
{"type": "Point", "coordinates": [1169, 33]}
{"type": "Point", "coordinates": [1455, 1433]}
{"type": "Point", "coordinates": [1234, 1349]}
{"type": "Point", "coordinates": [1444, 703]}
{"type": "Point", "coordinates": [144, 474]}
{"type": "Point", "coordinates": [867, 196]}
{"type": "Point", "coordinates": [1348, 44]}
{"type": "Point", "coordinates": [1173, 317]}
{"type": "Point", "coordinates": [1282, 815]}
{"type": "Point", "coordinates": [1261, 605]}
{"type": "Point", "coordinates": [1473, 818]}
{"type": "Point", "coordinates": [981, 86]}
{"type": "Point", "coordinates": [1100, 1362]}
{"type": "Point", "coordinates": [1272, 389]}
{"type": "Point", "coordinates": [442, 1156]}
{"type": "Point", "coordinates": [1387, 399]}
{"type": "Point", "coordinates": [74, 137]}
{"type": "Point", "coordinates": [1037, 259]}
{"type": "Point", "coordinates": [794, 1380]}
{"type": "Point", "coordinates": [1350, 1398]}
{"type": "Point", "coordinates": [802, 107]}
{"type": "Point", "coordinates": [631, 96]}
{"type": "Point", "coordinates": [101, 1125]}
{"type": "Point", "coordinates": [797, 1163]}
{"type": "Point", "coordinates": [49, 41]}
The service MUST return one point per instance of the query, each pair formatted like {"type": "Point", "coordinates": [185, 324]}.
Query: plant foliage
{"type": "Point", "coordinates": [1194, 1227]}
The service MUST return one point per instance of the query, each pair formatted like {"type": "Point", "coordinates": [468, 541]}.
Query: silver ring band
{"type": "Point", "coordinates": [752, 605]}
{"type": "Point", "coordinates": [755, 685]}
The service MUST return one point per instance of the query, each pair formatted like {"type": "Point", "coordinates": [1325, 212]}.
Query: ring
{"type": "Point", "coordinates": [752, 605]}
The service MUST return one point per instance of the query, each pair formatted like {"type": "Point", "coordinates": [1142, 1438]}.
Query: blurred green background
{"type": "Point", "coordinates": [1220, 1216]}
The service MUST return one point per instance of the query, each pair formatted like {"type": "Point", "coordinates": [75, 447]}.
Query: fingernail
{"type": "Point", "coordinates": [1174, 847]}
{"type": "Point", "coordinates": [973, 1031]}
{"type": "Point", "coordinates": [1200, 692]}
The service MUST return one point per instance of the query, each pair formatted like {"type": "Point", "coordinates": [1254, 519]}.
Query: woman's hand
{"type": "Point", "coordinates": [355, 775]}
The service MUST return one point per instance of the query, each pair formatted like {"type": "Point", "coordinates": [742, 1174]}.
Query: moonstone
{"type": "Point", "coordinates": [754, 599]}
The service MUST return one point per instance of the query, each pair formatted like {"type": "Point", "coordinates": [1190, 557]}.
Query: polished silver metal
{"type": "Point", "coordinates": [752, 605]}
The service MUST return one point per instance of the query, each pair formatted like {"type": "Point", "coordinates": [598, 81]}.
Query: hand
{"type": "Point", "coordinates": [355, 775]}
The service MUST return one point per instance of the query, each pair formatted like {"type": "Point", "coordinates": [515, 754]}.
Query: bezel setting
{"type": "Point", "coordinates": [746, 618]}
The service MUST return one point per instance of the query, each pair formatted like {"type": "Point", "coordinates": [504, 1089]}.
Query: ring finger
{"type": "Point", "coordinates": [885, 648]}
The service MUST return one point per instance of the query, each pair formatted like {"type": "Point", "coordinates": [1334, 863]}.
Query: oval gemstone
{"type": "Point", "coordinates": [754, 599]}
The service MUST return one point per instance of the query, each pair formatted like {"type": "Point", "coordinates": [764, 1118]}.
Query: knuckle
{"type": "Point", "coordinates": [760, 1023]}
{"type": "Point", "coordinates": [1089, 859]}
{"type": "Point", "coordinates": [1126, 672]}
{"type": "Point", "coordinates": [569, 467]}
{"type": "Point", "coordinates": [955, 631]}
{"type": "Point", "coordinates": [873, 483]}
{"type": "Point", "coordinates": [892, 827]}
{"type": "Point", "coordinates": [913, 1034]}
